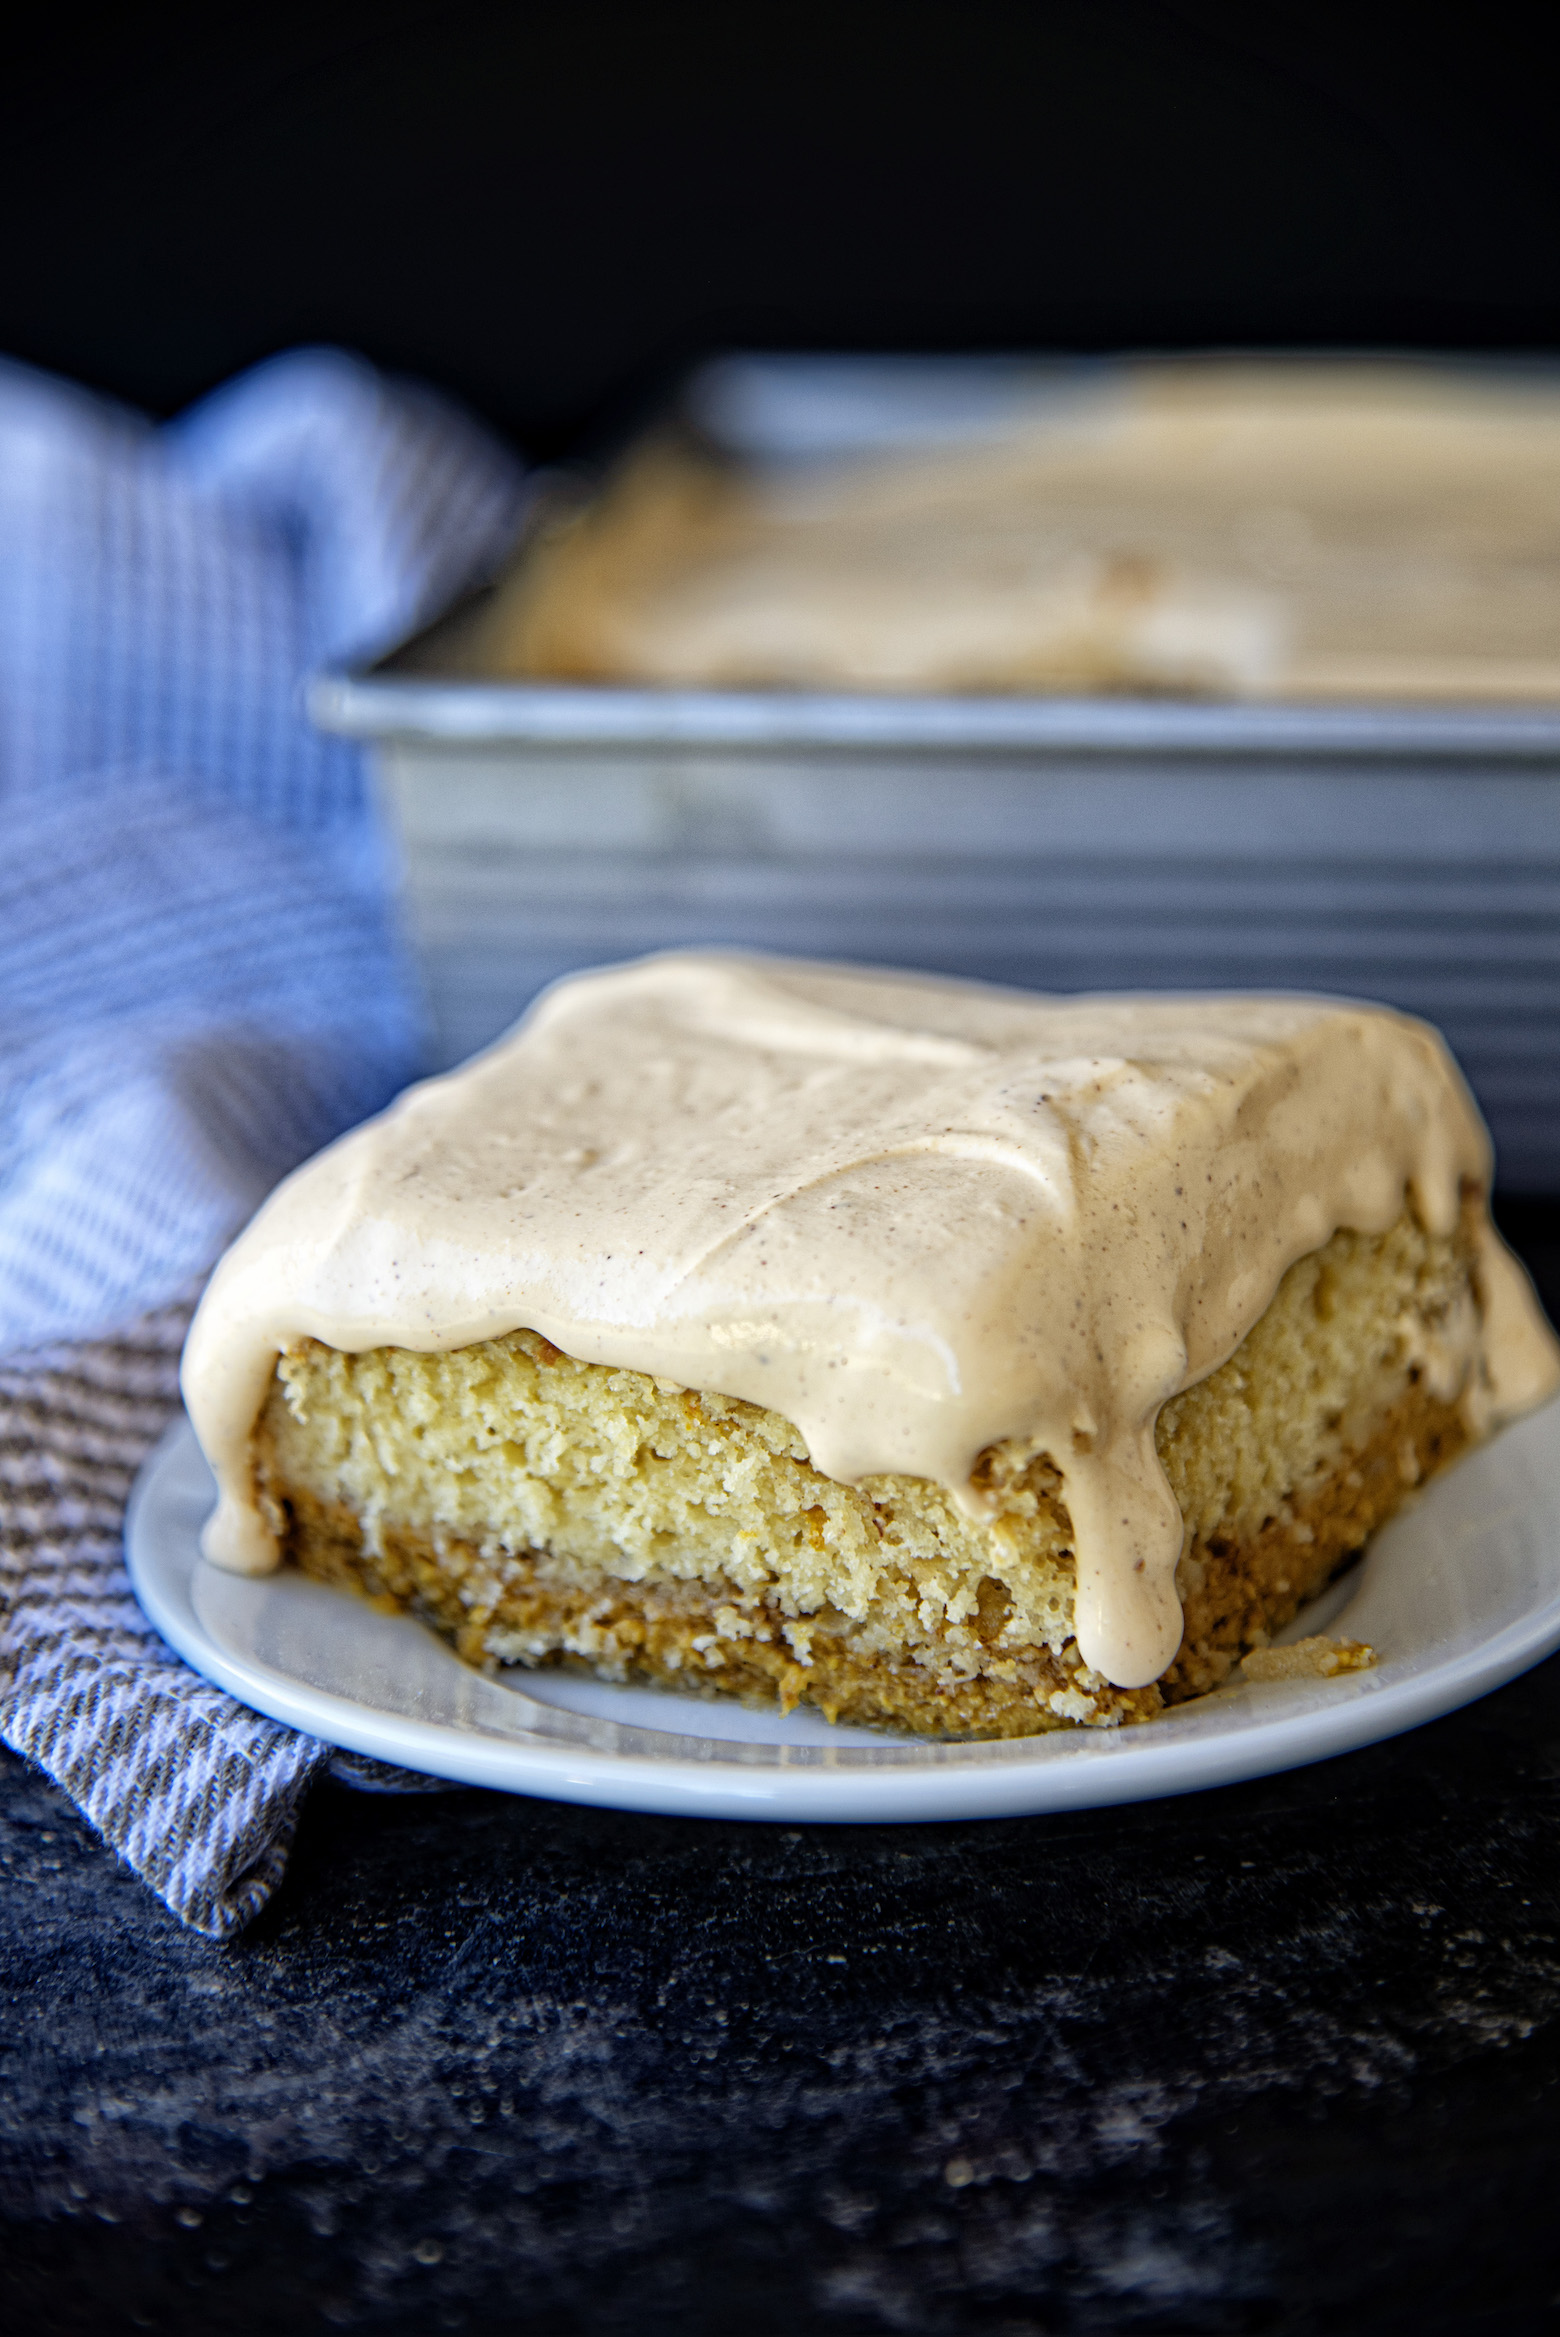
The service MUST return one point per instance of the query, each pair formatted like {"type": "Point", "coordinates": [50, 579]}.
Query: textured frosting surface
{"type": "Point", "coordinates": [1319, 529]}
{"type": "Point", "coordinates": [916, 1217]}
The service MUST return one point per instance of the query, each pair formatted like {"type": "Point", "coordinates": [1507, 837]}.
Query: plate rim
{"type": "Point", "coordinates": [1087, 1769]}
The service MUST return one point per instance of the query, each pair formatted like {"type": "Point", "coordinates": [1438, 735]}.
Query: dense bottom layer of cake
{"type": "Point", "coordinates": [541, 1510]}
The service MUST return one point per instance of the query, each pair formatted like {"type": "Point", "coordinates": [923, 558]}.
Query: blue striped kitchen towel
{"type": "Point", "coordinates": [200, 983]}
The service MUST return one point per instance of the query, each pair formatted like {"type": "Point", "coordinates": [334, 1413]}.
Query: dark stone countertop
{"type": "Point", "coordinates": [1280, 2058]}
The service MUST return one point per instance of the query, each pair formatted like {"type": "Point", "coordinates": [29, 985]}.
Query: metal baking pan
{"type": "Point", "coordinates": [1091, 845]}
{"type": "Point", "coordinates": [1410, 855]}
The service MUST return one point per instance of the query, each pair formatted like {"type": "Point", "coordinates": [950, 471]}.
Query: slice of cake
{"type": "Point", "coordinates": [952, 1358]}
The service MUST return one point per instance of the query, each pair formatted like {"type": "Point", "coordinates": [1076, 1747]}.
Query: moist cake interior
{"type": "Point", "coordinates": [541, 1510]}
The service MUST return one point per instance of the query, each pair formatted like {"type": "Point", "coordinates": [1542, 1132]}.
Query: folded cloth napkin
{"type": "Point", "coordinates": [200, 983]}
{"type": "Point", "coordinates": [197, 1794]}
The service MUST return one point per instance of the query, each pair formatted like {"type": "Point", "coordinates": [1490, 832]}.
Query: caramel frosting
{"type": "Point", "coordinates": [1318, 529]}
{"type": "Point", "coordinates": [916, 1217]}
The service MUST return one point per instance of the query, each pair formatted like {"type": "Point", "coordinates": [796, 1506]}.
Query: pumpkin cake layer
{"type": "Point", "coordinates": [539, 1510]}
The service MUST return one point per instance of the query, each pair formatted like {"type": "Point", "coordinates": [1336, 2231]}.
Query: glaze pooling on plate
{"type": "Point", "coordinates": [915, 1217]}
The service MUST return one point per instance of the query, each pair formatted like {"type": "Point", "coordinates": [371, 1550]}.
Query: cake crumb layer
{"type": "Point", "coordinates": [1316, 1658]}
{"type": "Point", "coordinates": [538, 1509]}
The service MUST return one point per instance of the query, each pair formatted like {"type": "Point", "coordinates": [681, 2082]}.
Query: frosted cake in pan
{"type": "Point", "coordinates": [1322, 530]}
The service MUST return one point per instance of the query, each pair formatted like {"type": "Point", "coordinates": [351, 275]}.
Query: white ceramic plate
{"type": "Point", "coordinates": [1459, 1594]}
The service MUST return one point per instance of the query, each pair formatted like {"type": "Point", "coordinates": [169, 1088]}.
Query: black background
{"type": "Point", "coordinates": [550, 207]}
